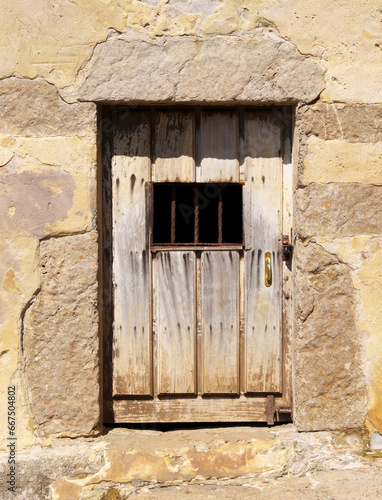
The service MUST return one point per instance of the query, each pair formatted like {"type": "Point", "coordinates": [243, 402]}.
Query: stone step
{"type": "Point", "coordinates": [190, 463]}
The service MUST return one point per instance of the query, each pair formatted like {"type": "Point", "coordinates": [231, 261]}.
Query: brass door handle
{"type": "Point", "coordinates": [268, 269]}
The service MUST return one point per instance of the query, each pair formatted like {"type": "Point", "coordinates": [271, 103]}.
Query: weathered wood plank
{"type": "Point", "coordinates": [131, 258]}
{"type": "Point", "coordinates": [220, 322]}
{"type": "Point", "coordinates": [217, 147]}
{"type": "Point", "coordinates": [106, 283]}
{"type": "Point", "coordinates": [214, 336]}
{"type": "Point", "coordinates": [173, 146]}
{"type": "Point", "coordinates": [176, 336]}
{"type": "Point", "coordinates": [192, 410]}
{"type": "Point", "coordinates": [263, 227]}
{"type": "Point", "coordinates": [287, 316]}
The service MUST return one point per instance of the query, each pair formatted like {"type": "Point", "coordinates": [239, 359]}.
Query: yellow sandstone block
{"type": "Point", "coordinates": [363, 254]}
{"type": "Point", "coordinates": [61, 171]}
{"type": "Point", "coordinates": [339, 161]}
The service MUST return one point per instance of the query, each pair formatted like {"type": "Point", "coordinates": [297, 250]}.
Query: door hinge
{"type": "Point", "coordinates": [278, 413]}
{"type": "Point", "coordinates": [287, 247]}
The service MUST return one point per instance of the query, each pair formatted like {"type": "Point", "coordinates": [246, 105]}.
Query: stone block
{"type": "Point", "coordinates": [346, 122]}
{"type": "Point", "coordinates": [330, 390]}
{"type": "Point", "coordinates": [33, 108]}
{"type": "Point", "coordinates": [338, 209]}
{"type": "Point", "coordinates": [262, 68]}
{"type": "Point", "coordinates": [33, 196]}
{"type": "Point", "coordinates": [60, 338]}
{"type": "Point", "coordinates": [376, 441]}
{"type": "Point", "coordinates": [39, 467]}
{"type": "Point", "coordinates": [340, 161]}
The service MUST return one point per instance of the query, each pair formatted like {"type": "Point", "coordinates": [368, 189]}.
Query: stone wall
{"type": "Point", "coordinates": [338, 221]}
{"type": "Point", "coordinates": [64, 57]}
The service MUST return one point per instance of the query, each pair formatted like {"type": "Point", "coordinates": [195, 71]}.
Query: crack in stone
{"type": "Point", "coordinates": [334, 254]}
{"type": "Point", "coordinates": [24, 311]}
{"type": "Point", "coordinates": [22, 360]}
{"type": "Point", "coordinates": [65, 235]}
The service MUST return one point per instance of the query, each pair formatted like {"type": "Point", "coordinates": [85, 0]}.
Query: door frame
{"type": "Point", "coordinates": [267, 408]}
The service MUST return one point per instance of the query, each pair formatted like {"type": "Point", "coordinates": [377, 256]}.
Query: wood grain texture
{"type": "Point", "coordinates": [192, 410]}
{"type": "Point", "coordinates": [106, 251]}
{"type": "Point", "coordinates": [220, 322]}
{"type": "Point", "coordinates": [217, 147]}
{"type": "Point", "coordinates": [287, 266]}
{"type": "Point", "coordinates": [131, 258]}
{"type": "Point", "coordinates": [176, 335]}
{"type": "Point", "coordinates": [263, 228]}
{"type": "Point", "coordinates": [207, 324]}
{"type": "Point", "coordinates": [173, 158]}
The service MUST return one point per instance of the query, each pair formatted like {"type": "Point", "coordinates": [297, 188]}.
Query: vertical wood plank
{"type": "Point", "coordinates": [176, 336]}
{"type": "Point", "coordinates": [132, 371]}
{"type": "Point", "coordinates": [106, 283]}
{"type": "Point", "coordinates": [217, 147]}
{"type": "Point", "coordinates": [288, 185]}
{"type": "Point", "coordinates": [173, 146]}
{"type": "Point", "coordinates": [263, 227]}
{"type": "Point", "coordinates": [220, 322]}
{"type": "Point", "coordinates": [242, 296]}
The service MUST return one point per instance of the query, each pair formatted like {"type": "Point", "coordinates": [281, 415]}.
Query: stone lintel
{"type": "Point", "coordinates": [261, 69]}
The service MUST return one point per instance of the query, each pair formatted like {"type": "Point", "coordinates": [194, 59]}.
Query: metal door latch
{"type": "Point", "coordinates": [287, 247]}
{"type": "Point", "coordinates": [278, 413]}
{"type": "Point", "coordinates": [268, 268]}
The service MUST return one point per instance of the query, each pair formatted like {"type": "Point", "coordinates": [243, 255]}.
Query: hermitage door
{"type": "Point", "coordinates": [200, 265]}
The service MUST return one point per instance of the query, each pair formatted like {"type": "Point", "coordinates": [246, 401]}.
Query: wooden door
{"type": "Point", "coordinates": [199, 329]}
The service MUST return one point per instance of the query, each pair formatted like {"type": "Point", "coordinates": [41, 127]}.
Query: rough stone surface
{"type": "Point", "coordinates": [346, 122]}
{"type": "Point", "coordinates": [39, 467]}
{"type": "Point", "coordinates": [60, 338]}
{"type": "Point", "coordinates": [221, 51]}
{"type": "Point", "coordinates": [191, 51]}
{"type": "Point", "coordinates": [340, 161]}
{"type": "Point", "coordinates": [376, 441]}
{"type": "Point", "coordinates": [82, 469]}
{"type": "Point", "coordinates": [44, 113]}
{"type": "Point", "coordinates": [33, 196]}
{"type": "Point", "coordinates": [356, 484]}
{"type": "Point", "coordinates": [338, 209]}
{"type": "Point", "coordinates": [263, 68]}
{"type": "Point", "coordinates": [56, 43]}
{"type": "Point", "coordinates": [328, 367]}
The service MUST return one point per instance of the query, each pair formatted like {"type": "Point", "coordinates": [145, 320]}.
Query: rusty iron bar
{"type": "Point", "coordinates": [220, 215]}
{"type": "Point", "coordinates": [173, 212]}
{"type": "Point", "coordinates": [196, 215]}
{"type": "Point", "coordinates": [284, 410]}
{"type": "Point", "coordinates": [270, 409]}
{"type": "Point", "coordinates": [229, 246]}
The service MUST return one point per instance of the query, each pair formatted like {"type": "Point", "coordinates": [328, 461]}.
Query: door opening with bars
{"type": "Point", "coordinates": [196, 210]}
{"type": "Point", "coordinates": [197, 214]}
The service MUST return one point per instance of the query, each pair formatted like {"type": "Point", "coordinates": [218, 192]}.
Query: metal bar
{"type": "Point", "coordinates": [220, 215]}
{"type": "Point", "coordinates": [284, 409]}
{"type": "Point", "coordinates": [173, 212]}
{"type": "Point", "coordinates": [196, 222]}
{"type": "Point", "coordinates": [165, 247]}
{"type": "Point", "coordinates": [270, 410]}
